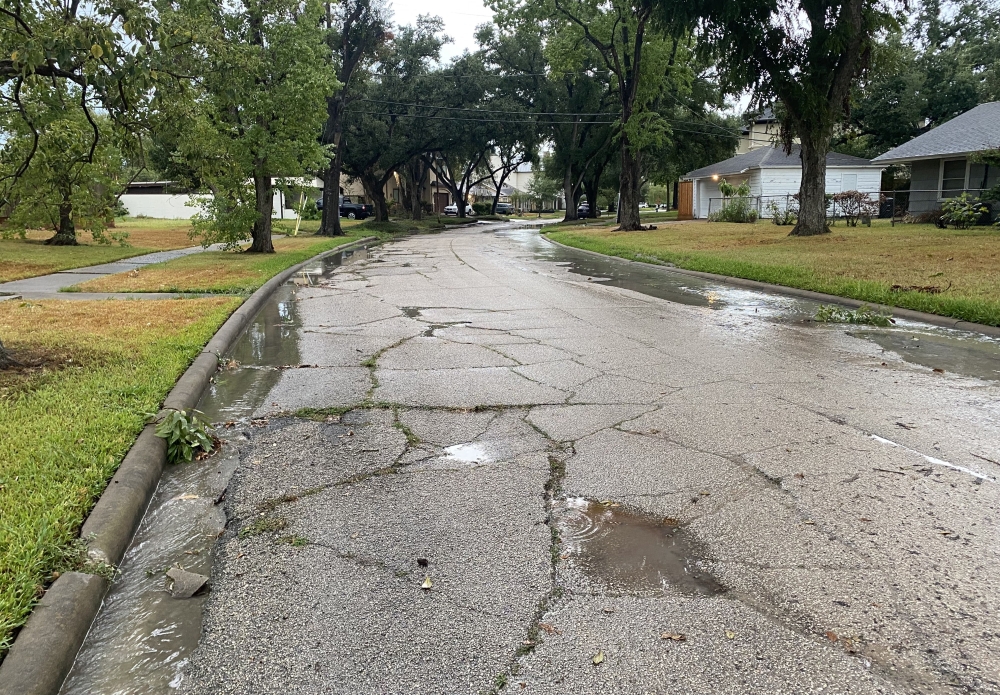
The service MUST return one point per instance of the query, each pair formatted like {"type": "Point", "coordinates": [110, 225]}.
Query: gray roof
{"type": "Point", "coordinates": [771, 158]}
{"type": "Point", "coordinates": [975, 130]}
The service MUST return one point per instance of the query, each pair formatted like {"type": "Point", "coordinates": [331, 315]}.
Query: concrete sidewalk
{"type": "Point", "coordinates": [49, 286]}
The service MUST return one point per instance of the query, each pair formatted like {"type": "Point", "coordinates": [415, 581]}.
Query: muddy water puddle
{"type": "Point", "coordinates": [143, 636]}
{"type": "Point", "coordinates": [960, 352]}
{"type": "Point", "coordinates": [627, 551]}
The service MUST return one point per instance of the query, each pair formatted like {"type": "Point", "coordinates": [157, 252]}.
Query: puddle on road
{"type": "Point", "coordinates": [961, 352]}
{"type": "Point", "coordinates": [270, 340]}
{"type": "Point", "coordinates": [971, 356]}
{"type": "Point", "coordinates": [473, 452]}
{"type": "Point", "coordinates": [627, 551]}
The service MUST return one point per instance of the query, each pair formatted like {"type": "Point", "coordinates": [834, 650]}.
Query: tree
{"type": "Point", "coordinates": [641, 59]}
{"type": "Point", "coordinates": [356, 29]}
{"type": "Point", "coordinates": [396, 121]}
{"type": "Point", "coordinates": [807, 54]}
{"type": "Point", "coordinates": [541, 188]}
{"type": "Point", "coordinates": [71, 169]}
{"type": "Point", "coordinates": [264, 78]}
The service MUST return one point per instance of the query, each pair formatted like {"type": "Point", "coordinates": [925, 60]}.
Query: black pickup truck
{"type": "Point", "coordinates": [349, 209]}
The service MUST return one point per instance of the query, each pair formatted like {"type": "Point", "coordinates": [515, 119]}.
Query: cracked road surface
{"type": "Point", "coordinates": [611, 493]}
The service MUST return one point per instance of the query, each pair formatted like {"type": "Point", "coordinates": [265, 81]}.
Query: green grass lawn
{"type": "Point", "coordinates": [70, 415]}
{"type": "Point", "coordinates": [30, 257]}
{"type": "Point", "coordinates": [862, 263]}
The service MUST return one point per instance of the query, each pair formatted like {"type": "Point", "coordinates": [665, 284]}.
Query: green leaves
{"type": "Point", "coordinates": [185, 434]}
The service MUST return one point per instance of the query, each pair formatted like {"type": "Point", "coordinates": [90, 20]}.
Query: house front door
{"type": "Point", "coordinates": [440, 202]}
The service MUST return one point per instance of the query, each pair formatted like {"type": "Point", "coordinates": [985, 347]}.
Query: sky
{"type": "Point", "coordinates": [461, 17]}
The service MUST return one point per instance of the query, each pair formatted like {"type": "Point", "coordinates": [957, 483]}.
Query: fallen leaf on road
{"type": "Point", "coordinates": [549, 629]}
{"type": "Point", "coordinates": [730, 634]}
{"type": "Point", "coordinates": [831, 635]}
{"type": "Point", "coordinates": [598, 658]}
{"type": "Point", "coordinates": [427, 583]}
{"type": "Point", "coordinates": [675, 636]}
{"type": "Point", "coordinates": [671, 521]}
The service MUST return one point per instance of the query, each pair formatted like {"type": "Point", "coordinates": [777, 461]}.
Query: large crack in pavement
{"type": "Point", "coordinates": [465, 407]}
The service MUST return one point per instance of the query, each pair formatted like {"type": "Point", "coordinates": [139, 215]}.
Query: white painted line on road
{"type": "Point", "coordinates": [931, 459]}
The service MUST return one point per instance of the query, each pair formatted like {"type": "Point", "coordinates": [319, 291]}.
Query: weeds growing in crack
{"type": "Point", "coordinates": [265, 524]}
{"type": "Point", "coordinates": [321, 414]}
{"type": "Point", "coordinates": [411, 438]}
{"type": "Point", "coordinates": [269, 505]}
{"type": "Point", "coordinates": [553, 489]}
{"type": "Point", "coordinates": [294, 541]}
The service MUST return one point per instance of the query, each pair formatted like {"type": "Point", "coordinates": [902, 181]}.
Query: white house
{"type": "Point", "coordinates": [941, 160]}
{"type": "Point", "coordinates": [775, 176]}
{"type": "Point", "coordinates": [156, 199]}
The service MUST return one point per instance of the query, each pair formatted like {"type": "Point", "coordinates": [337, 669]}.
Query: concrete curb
{"type": "Point", "coordinates": [933, 319]}
{"type": "Point", "coordinates": [46, 646]}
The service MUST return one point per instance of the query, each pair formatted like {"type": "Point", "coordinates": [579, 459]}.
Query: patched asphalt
{"type": "Point", "coordinates": [431, 506]}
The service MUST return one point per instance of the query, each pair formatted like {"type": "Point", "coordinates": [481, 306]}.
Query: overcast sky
{"type": "Point", "coordinates": [461, 17]}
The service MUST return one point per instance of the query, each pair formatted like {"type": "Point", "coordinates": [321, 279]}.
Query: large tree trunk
{"type": "Point", "coordinates": [496, 194]}
{"type": "Point", "coordinates": [812, 190]}
{"type": "Point", "coordinates": [264, 192]}
{"type": "Point", "coordinates": [66, 234]}
{"type": "Point", "coordinates": [375, 190]}
{"type": "Point", "coordinates": [6, 360]}
{"type": "Point", "coordinates": [416, 171]}
{"type": "Point", "coordinates": [569, 193]}
{"type": "Point", "coordinates": [459, 202]}
{"type": "Point", "coordinates": [591, 187]}
{"type": "Point", "coordinates": [630, 183]}
{"type": "Point", "coordinates": [330, 223]}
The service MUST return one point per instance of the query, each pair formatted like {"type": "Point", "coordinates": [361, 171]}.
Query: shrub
{"type": "Point", "coordinates": [484, 208]}
{"type": "Point", "coordinates": [855, 205]}
{"type": "Point", "coordinates": [782, 216]}
{"type": "Point", "coordinates": [737, 206]}
{"type": "Point", "coordinates": [962, 212]}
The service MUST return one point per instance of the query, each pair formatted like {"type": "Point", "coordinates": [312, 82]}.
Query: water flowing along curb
{"type": "Point", "coordinates": [47, 645]}
{"type": "Point", "coordinates": [933, 319]}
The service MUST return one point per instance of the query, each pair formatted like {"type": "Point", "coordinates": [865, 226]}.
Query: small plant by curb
{"type": "Point", "coordinates": [186, 435]}
{"type": "Point", "coordinates": [864, 314]}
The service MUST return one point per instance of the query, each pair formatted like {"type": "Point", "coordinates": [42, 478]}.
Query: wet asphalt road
{"type": "Point", "coordinates": [695, 500]}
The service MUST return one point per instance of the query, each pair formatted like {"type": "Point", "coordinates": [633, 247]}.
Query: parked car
{"type": "Point", "coordinates": [643, 205]}
{"type": "Point", "coordinates": [352, 210]}
{"type": "Point", "coordinates": [453, 209]}
{"type": "Point", "coordinates": [584, 210]}
{"type": "Point", "coordinates": [504, 209]}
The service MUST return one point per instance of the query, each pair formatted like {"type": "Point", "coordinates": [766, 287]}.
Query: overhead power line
{"type": "Point", "coordinates": [457, 108]}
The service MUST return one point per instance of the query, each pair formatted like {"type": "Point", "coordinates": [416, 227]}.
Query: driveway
{"type": "Point", "coordinates": [487, 473]}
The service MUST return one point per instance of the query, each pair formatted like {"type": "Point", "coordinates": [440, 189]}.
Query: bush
{"type": "Point", "coordinates": [484, 208]}
{"type": "Point", "coordinates": [855, 205]}
{"type": "Point", "coordinates": [737, 206]}
{"type": "Point", "coordinates": [962, 212]}
{"type": "Point", "coordinates": [780, 216]}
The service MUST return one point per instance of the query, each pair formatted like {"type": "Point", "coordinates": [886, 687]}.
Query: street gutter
{"type": "Point", "coordinates": [46, 647]}
{"type": "Point", "coordinates": [933, 319]}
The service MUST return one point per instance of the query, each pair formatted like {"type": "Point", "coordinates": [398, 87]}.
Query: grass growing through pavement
{"type": "Point", "coordinates": [221, 271]}
{"type": "Point", "coordinates": [956, 269]}
{"type": "Point", "coordinates": [25, 258]}
{"type": "Point", "coordinates": [67, 420]}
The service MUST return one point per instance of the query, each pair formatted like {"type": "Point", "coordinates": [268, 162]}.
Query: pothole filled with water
{"type": "Point", "coordinates": [628, 551]}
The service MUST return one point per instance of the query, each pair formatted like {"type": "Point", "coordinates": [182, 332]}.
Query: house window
{"type": "Point", "coordinates": [849, 182]}
{"type": "Point", "coordinates": [953, 177]}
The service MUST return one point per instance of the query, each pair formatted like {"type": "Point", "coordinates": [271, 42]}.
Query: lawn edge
{"type": "Point", "coordinates": [899, 312]}
{"type": "Point", "coordinates": [46, 646]}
